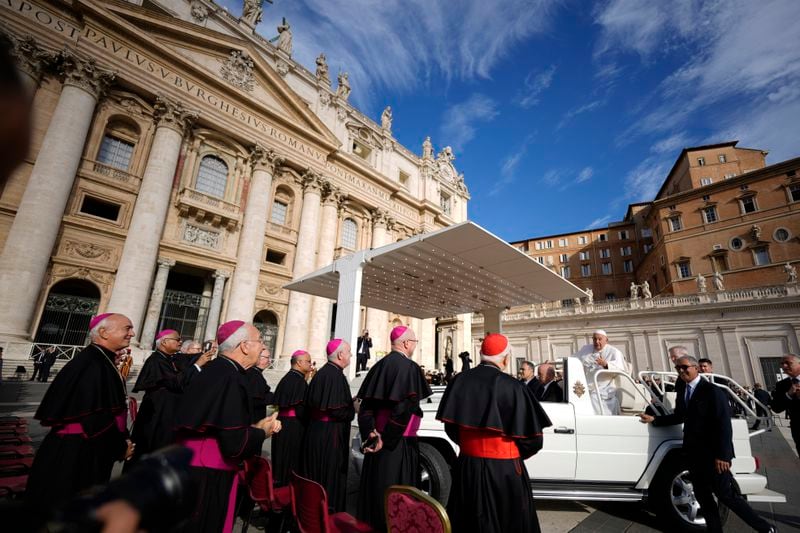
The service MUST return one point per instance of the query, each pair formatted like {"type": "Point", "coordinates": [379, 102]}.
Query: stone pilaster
{"type": "Point", "coordinates": [148, 333]}
{"type": "Point", "coordinates": [297, 316]}
{"type": "Point", "coordinates": [138, 260]}
{"type": "Point", "coordinates": [249, 255]}
{"type": "Point", "coordinates": [35, 228]}
{"type": "Point", "coordinates": [216, 303]}
{"type": "Point", "coordinates": [321, 307]}
{"type": "Point", "coordinates": [31, 61]}
{"type": "Point", "coordinates": [377, 320]}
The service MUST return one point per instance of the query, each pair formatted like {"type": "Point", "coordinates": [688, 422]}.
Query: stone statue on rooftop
{"type": "Point", "coordinates": [701, 283]}
{"type": "Point", "coordinates": [791, 273]}
{"type": "Point", "coordinates": [343, 90]}
{"type": "Point", "coordinates": [634, 291]}
{"type": "Point", "coordinates": [646, 290]}
{"type": "Point", "coordinates": [427, 149]}
{"type": "Point", "coordinates": [251, 12]}
{"type": "Point", "coordinates": [285, 37]}
{"type": "Point", "coordinates": [322, 69]}
{"type": "Point", "coordinates": [446, 155]}
{"type": "Point", "coordinates": [386, 118]}
{"type": "Point", "coordinates": [589, 296]}
{"type": "Point", "coordinates": [717, 280]}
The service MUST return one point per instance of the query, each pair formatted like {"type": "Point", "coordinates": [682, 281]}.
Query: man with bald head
{"type": "Point", "coordinates": [289, 396]}
{"type": "Point", "coordinates": [390, 416]}
{"type": "Point", "coordinates": [329, 409]}
{"type": "Point", "coordinates": [214, 420]}
{"type": "Point", "coordinates": [550, 391]}
{"type": "Point", "coordinates": [596, 357]}
{"type": "Point", "coordinates": [86, 411]}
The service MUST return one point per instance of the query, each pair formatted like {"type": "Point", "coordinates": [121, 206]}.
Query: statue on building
{"type": "Point", "coordinates": [646, 290]}
{"type": "Point", "coordinates": [285, 37]}
{"type": "Point", "coordinates": [634, 291]}
{"type": "Point", "coordinates": [791, 273]}
{"type": "Point", "coordinates": [446, 155]}
{"type": "Point", "coordinates": [343, 90]}
{"type": "Point", "coordinates": [251, 12]}
{"type": "Point", "coordinates": [717, 280]}
{"type": "Point", "coordinates": [386, 118]}
{"type": "Point", "coordinates": [701, 283]}
{"type": "Point", "coordinates": [589, 296]}
{"type": "Point", "coordinates": [755, 232]}
{"type": "Point", "coordinates": [322, 69]}
{"type": "Point", "coordinates": [427, 149]}
{"type": "Point", "coordinates": [448, 348]}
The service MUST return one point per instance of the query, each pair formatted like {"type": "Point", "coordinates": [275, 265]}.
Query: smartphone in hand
{"type": "Point", "coordinates": [369, 443]}
{"type": "Point", "coordinates": [207, 346]}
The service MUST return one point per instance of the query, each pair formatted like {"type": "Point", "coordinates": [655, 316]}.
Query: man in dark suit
{"type": "Point", "coordinates": [786, 396]}
{"type": "Point", "coordinates": [550, 390]}
{"type": "Point", "coordinates": [363, 345]}
{"type": "Point", "coordinates": [763, 397]}
{"type": "Point", "coordinates": [708, 445]}
{"type": "Point", "coordinates": [529, 377]}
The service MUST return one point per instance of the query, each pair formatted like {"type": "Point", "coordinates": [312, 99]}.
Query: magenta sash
{"type": "Point", "coordinates": [207, 455]}
{"type": "Point", "coordinates": [321, 416]}
{"type": "Point", "coordinates": [289, 412]}
{"type": "Point", "coordinates": [75, 428]}
{"type": "Point", "coordinates": [382, 418]}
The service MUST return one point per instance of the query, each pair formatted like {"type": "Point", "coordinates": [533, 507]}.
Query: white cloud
{"type": "Point", "coordinates": [585, 108]}
{"type": "Point", "coordinates": [642, 183]}
{"type": "Point", "coordinates": [508, 169]}
{"type": "Point", "coordinates": [601, 221]}
{"type": "Point", "coordinates": [552, 177]}
{"type": "Point", "coordinates": [460, 120]}
{"type": "Point", "coordinates": [672, 144]}
{"type": "Point", "coordinates": [585, 175]}
{"type": "Point", "coordinates": [535, 84]}
{"type": "Point", "coordinates": [400, 44]}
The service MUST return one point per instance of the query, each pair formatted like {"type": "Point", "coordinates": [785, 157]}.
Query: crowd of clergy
{"type": "Point", "coordinates": [218, 406]}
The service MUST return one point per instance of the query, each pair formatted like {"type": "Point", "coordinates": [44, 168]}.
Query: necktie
{"type": "Point", "coordinates": [688, 394]}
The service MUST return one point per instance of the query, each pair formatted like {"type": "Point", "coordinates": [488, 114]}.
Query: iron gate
{"type": "Point", "coordinates": [65, 319]}
{"type": "Point", "coordinates": [771, 368]}
{"type": "Point", "coordinates": [186, 313]}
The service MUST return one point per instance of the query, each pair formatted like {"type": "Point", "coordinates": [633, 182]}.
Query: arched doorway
{"type": "Point", "coordinates": [267, 324]}
{"type": "Point", "coordinates": [70, 305]}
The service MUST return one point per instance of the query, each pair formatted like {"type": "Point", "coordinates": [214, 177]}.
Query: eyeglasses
{"type": "Point", "coordinates": [683, 368]}
{"type": "Point", "coordinates": [412, 340]}
{"type": "Point", "coordinates": [172, 339]}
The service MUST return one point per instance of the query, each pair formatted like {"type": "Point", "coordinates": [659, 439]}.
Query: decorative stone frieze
{"type": "Point", "coordinates": [86, 250]}
{"type": "Point", "coordinates": [238, 71]}
{"type": "Point", "coordinates": [84, 73]}
{"type": "Point", "coordinates": [172, 114]}
{"type": "Point", "coordinates": [30, 57]}
{"type": "Point", "coordinates": [199, 11]}
{"type": "Point", "coordinates": [201, 237]}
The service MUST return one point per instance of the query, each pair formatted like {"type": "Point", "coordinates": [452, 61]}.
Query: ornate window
{"type": "Point", "coordinates": [736, 243]}
{"type": "Point", "coordinates": [675, 223]}
{"type": "Point", "coordinates": [684, 270]}
{"type": "Point", "coordinates": [279, 212]}
{"type": "Point", "coordinates": [761, 256]}
{"type": "Point", "coordinates": [710, 214]}
{"type": "Point", "coordinates": [349, 234]}
{"type": "Point", "coordinates": [564, 271]}
{"type": "Point", "coordinates": [212, 177]}
{"type": "Point", "coordinates": [748, 204]}
{"type": "Point", "coordinates": [115, 152]}
{"type": "Point", "coordinates": [781, 235]}
{"type": "Point", "coordinates": [445, 203]}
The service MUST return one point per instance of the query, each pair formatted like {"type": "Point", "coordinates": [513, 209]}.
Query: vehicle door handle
{"type": "Point", "coordinates": [568, 431]}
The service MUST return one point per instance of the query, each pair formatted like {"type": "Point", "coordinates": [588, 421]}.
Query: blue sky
{"type": "Point", "coordinates": [561, 112]}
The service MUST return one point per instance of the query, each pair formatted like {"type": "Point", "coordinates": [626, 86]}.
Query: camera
{"type": "Point", "coordinates": [207, 346]}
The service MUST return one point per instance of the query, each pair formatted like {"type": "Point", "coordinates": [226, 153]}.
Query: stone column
{"type": "Point", "coordinates": [148, 333]}
{"type": "Point", "coordinates": [216, 304]}
{"type": "Point", "coordinates": [31, 61]}
{"type": "Point", "coordinates": [377, 320]}
{"type": "Point", "coordinates": [34, 231]}
{"type": "Point", "coordinates": [135, 270]}
{"type": "Point", "coordinates": [250, 254]}
{"type": "Point", "coordinates": [321, 307]}
{"type": "Point", "coordinates": [297, 316]}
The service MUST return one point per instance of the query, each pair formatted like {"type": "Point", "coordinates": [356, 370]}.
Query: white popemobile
{"type": "Point", "coordinates": [600, 457]}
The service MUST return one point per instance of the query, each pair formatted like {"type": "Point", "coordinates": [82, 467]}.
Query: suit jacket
{"type": "Point", "coordinates": [763, 397]}
{"type": "Point", "coordinates": [535, 385]}
{"type": "Point", "coordinates": [707, 430]}
{"type": "Point", "coordinates": [360, 342]}
{"type": "Point", "coordinates": [781, 403]}
{"type": "Point", "coordinates": [551, 392]}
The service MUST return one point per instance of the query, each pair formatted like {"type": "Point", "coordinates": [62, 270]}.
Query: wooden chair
{"type": "Point", "coordinates": [270, 499]}
{"type": "Point", "coordinates": [310, 509]}
{"type": "Point", "coordinates": [410, 509]}
{"type": "Point", "coordinates": [11, 487]}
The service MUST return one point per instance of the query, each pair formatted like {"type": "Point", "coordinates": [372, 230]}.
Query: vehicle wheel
{"type": "Point", "coordinates": [434, 473]}
{"type": "Point", "coordinates": [672, 498]}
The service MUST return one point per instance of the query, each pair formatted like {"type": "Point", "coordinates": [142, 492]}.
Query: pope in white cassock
{"type": "Point", "coordinates": [602, 356]}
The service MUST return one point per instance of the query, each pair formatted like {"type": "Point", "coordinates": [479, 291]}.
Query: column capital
{"type": "Point", "coordinates": [330, 193]}
{"type": "Point", "coordinates": [84, 73]}
{"type": "Point", "coordinates": [222, 274]}
{"type": "Point", "coordinates": [380, 217]}
{"type": "Point", "coordinates": [342, 202]}
{"type": "Point", "coordinates": [171, 113]}
{"type": "Point", "coordinates": [311, 182]}
{"type": "Point", "coordinates": [265, 159]}
{"type": "Point", "coordinates": [29, 56]}
{"type": "Point", "coordinates": [165, 262]}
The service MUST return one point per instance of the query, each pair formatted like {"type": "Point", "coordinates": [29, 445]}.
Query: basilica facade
{"type": "Point", "coordinates": [184, 168]}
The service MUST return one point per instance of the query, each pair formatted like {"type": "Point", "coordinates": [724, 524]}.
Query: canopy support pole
{"type": "Point", "coordinates": [348, 302]}
{"type": "Point", "coordinates": [491, 320]}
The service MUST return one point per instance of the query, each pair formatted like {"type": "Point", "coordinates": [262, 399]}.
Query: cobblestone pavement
{"type": "Point", "coordinates": [779, 462]}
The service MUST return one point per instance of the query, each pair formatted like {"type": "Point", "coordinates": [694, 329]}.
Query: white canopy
{"type": "Point", "coordinates": [458, 269]}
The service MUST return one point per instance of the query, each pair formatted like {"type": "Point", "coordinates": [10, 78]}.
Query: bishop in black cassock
{"type": "Point", "coordinates": [214, 419]}
{"type": "Point", "coordinates": [287, 446]}
{"type": "Point", "coordinates": [260, 391]}
{"type": "Point", "coordinates": [86, 411]}
{"type": "Point", "coordinates": [390, 397]}
{"type": "Point", "coordinates": [497, 424]}
{"type": "Point", "coordinates": [330, 410]}
{"type": "Point", "coordinates": [161, 383]}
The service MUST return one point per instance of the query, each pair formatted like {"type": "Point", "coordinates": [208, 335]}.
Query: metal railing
{"type": "Point", "coordinates": [63, 351]}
